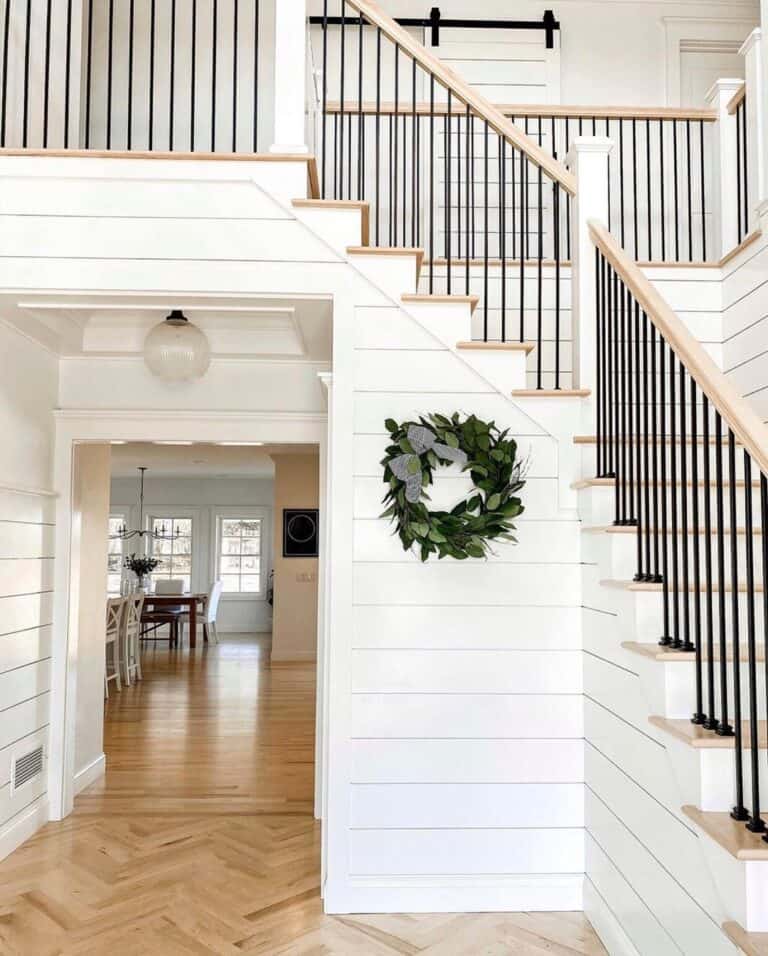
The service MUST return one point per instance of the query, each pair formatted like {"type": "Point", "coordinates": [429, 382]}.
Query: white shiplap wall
{"type": "Point", "coordinates": [26, 608]}
{"type": "Point", "coordinates": [745, 321]}
{"type": "Point", "coordinates": [466, 708]}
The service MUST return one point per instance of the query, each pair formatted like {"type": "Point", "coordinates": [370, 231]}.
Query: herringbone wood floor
{"type": "Point", "coordinates": [201, 837]}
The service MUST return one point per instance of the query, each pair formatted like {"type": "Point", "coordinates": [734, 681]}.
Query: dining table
{"type": "Point", "coordinates": [190, 600]}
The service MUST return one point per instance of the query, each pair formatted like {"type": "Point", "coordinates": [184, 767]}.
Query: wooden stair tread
{"type": "Point", "coordinates": [753, 944]}
{"type": "Point", "coordinates": [526, 347]}
{"type": "Point", "coordinates": [390, 251]}
{"type": "Point", "coordinates": [730, 834]}
{"type": "Point", "coordinates": [701, 739]}
{"type": "Point", "coordinates": [551, 393]}
{"type": "Point", "coordinates": [650, 586]}
{"type": "Point", "coordinates": [471, 300]}
{"type": "Point", "coordinates": [611, 482]}
{"type": "Point", "coordinates": [669, 656]}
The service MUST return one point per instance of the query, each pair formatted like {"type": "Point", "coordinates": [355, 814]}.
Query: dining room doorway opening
{"type": "Point", "coordinates": [209, 555]}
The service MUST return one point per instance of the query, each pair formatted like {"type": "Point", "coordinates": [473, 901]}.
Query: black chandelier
{"type": "Point", "coordinates": [141, 532]}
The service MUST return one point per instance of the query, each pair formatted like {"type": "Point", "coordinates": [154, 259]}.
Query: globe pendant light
{"type": "Point", "coordinates": [176, 350]}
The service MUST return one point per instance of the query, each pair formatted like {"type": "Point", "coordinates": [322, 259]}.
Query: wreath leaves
{"type": "Point", "coordinates": [486, 515]}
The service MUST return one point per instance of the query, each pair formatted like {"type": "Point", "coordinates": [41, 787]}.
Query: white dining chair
{"type": "Point", "coordinates": [112, 638]}
{"type": "Point", "coordinates": [130, 638]}
{"type": "Point", "coordinates": [208, 618]}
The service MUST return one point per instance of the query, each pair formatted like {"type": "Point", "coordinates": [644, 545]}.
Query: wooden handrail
{"type": "Point", "coordinates": [464, 92]}
{"type": "Point", "coordinates": [735, 411]}
{"type": "Point", "coordinates": [737, 99]}
{"type": "Point", "coordinates": [405, 107]}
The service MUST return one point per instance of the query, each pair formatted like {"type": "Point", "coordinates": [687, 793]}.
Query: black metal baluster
{"type": "Point", "coordinates": [360, 161]}
{"type": "Point", "coordinates": [611, 437]}
{"type": "Point", "coordinates": [621, 180]}
{"type": "Point", "coordinates": [662, 202]}
{"type": "Point", "coordinates": [431, 182]}
{"type": "Point", "coordinates": [641, 477]}
{"type": "Point", "coordinates": [67, 73]}
{"type": "Point", "coordinates": [377, 134]}
{"type": "Point", "coordinates": [619, 406]}
{"type": "Point", "coordinates": [88, 76]}
{"type": "Point", "coordinates": [724, 729]}
{"type": "Point", "coordinates": [764, 551]}
{"type": "Point", "coordinates": [739, 811]}
{"type": "Point", "coordinates": [396, 147]}
{"type": "Point", "coordinates": [624, 403]}
{"type": "Point", "coordinates": [342, 80]}
{"type": "Point", "coordinates": [646, 452]}
{"type": "Point", "coordinates": [235, 45]}
{"type": "Point", "coordinates": [673, 486]}
{"type": "Point", "coordinates": [172, 77]}
{"type": "Point", "coordinates": [447, 214]}
{"type": "Point", "coordinates": [556, 219]}
{"type": "Point", "coordinates": [711, 722]}
{"type": "Point", "coordinates": [27, 59]}
{"type": "Point", "coordinates": [523, 200]}
{"type": "Point", "coordinates": [324, 146]}
{"type": "Point", "coordinates": [685, 597]}
{"type": "Point", "coordinates": [193, 91]}
{"type": "Point", "coordinates": [689, 184]}
{"type": "Point", "coordinates": [152, 55]}
{"type": "Point", "coordinates": [755, 823]}
{"type": "Point", "coordinates": [648, 195]}
{"type": "Point", "coordinates": [214, 72]}
{"type": "Point", "coordinates": [503, 233]}
{"type": "Point", "coordinates": [666, 637]}
{"type": "Point", "coordinates": [6, 49]}
{"type": "Point", "coordinates": [414, 155]}
{"type": "Point", "coordinates": [699, 717]}
{"type": "Point", "coordinates": [634, 183]}
{"type": "Point", "coordinates": [47, 78]}
{"type": "Point", "coordinates": [656, 450]}
{"type": "Point", "coordinates": [540, 280]}
{"type": "Point", "coordinates": [676, 190]}
{"type": "Point", "coordinates": [703, 194]}
{"type": "Point", "coordinates": [469, 148]}
{"type": "Point", "coordinates": [599, 380]}
{"type": "Point", "coordinates": [256, 38]}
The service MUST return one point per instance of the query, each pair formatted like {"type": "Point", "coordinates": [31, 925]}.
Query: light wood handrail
{"type": "Point", "coordinates": [737, 99]}
{"type": "Point", "coordinates": [735, 411]}
{"type": "Point", "coordinates": [464, 92]}
{"type": "Point", "coordinates": [405, 107]}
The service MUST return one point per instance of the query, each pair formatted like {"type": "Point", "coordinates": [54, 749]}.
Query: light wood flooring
{"type": "Point", "coordinates": [201, 839]}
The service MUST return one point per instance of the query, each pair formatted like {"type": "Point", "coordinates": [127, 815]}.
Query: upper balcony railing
{"type": "Point", "coordinates": [158, 75]}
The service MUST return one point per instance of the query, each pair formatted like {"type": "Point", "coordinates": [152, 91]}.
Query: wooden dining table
{"type": "Point", "coordinates": [186, 600]}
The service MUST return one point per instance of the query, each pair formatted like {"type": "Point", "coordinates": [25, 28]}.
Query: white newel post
{"type": "Point", "coordinates": [752, 51]}
{"type": "Point", "coordinates": [724, 199]}
{"type": "Point", "coordinates": [290, 80]}
{"type": "Point", "coordinates": [588, 160]}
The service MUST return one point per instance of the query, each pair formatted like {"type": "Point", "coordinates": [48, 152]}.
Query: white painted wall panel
{"type": "Point", "coordinates": [467, 714]}
{"type": "Point", "coordinates": [467, 761]}
{"type": "Point", "coordinates": [469, 852]}
{"type": "Point", "coordinates": [23, 540]}
{"type": "Point", "coordinates": [481, 805]}
{"type": "Point", "coordinates": [25, 611]}
{"type": "Point", "coordinates": [23, 719]}
{"type": "Point", "coordinates": [25, 683]}
{"type": "Point", "coordinates": [24, 647]}
{"type": "Point", "coordinates": [25, 576]}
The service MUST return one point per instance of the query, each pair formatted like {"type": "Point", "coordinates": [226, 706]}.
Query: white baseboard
{"type": "Point", "coordinates": [22, 826]}
{"type": "Point", "coordinates": [456, 894]}
{"type": "Point", "coordinates": [605, 923]}
{"type": "Point", "coordinates": [90, 774]}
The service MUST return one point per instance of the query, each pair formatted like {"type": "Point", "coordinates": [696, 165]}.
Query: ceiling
{"type": "Point", "coordinates": [199, 460]}
{"type": "Point", "coordinates": [117, 324]}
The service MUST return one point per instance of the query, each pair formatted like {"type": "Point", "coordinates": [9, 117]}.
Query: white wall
{"type": "Point", "coordinates": [745, 324]}
{"type": "Point", "coordinates": [28, 381]}
{"type": "Point", "coordinates": [204, 499]}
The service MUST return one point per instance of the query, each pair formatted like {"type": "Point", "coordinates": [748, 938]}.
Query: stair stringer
{"type": "Point", "coordinates": [455, 745]}
{"type": "Point", "coordinates": [645, 860]}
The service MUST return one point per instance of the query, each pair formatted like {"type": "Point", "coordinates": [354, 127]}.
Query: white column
{"type": "Point", "coordinates": [752, 51]}
{"type": "Point", "coordinates": [290, 80]}
{"type": "Point", "coordinates": [725, 230]}
{"type": "Point", "coordinates": [588, 160]}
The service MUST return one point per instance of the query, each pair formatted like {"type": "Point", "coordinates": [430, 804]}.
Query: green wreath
{"type": "Point", "coordinates": [417, 449]}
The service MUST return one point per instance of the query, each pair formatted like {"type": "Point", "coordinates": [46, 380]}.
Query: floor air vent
{"type": "Point", "coordinates": [26, 767]}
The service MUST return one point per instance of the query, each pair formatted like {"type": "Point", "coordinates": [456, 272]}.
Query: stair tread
{"type": "Point", "coordinates": [702, 739]}
{"type": "Point", "coordinates": [472, 300]}
{"type": "Point", "coordinates": [611, 482]}
{"type": "Point", "coordinates": [753, 944]}
{"type": "Point", "coordinates": [730, 834]}
{"type": "Point", "coordinates": [629, 529]}
{"type": "Point", "coordinates": [551, 393]}
{"type": "Point", "coordinates": [649, 586]}
{"type": "Point", "coordinates": [526, 347]}
{"type": "Point", "coordinates": [669, 656]}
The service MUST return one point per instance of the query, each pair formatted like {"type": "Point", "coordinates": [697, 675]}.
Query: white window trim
{"type": "Point", "coordinates": [264, 515]}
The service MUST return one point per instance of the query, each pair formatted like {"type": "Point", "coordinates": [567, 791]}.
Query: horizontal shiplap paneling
{"type": "Point", "coordinates": [480, 805]}
{"type": "Point", "coordinates": [23, 719]}
{"type": "Point", "coordinates": [25, 647]}
{"type": "Point", "coordinates": [25, 576]}
{"type": "Point", "coordinates": [24, 683]}
{"type": "Point", "coordinates": [22, 540]}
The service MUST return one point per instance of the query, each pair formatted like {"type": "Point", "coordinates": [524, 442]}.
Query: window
{"type": "Point", "coordinates": [114, 554]}
{"type": "Point", "coordinates": [238, 559]}
{"type": "Point", "coordinates": [175, 553]}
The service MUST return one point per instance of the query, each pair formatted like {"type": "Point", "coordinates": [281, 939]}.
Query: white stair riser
{"type": "Point", "coordinates": [742, 885]}
{"type": "Point", "coordinates": [450, 322]}
{"type": "Point", "coordinates": [708, 776]}
{"type": "Point", "coordinates": [505, 370]}
{"type": "Point", "coordinates": [340, 228]}
{"type": "Point", "coordinates": [395, 275]}
{"type": "Point", "coordinates": [589, 461]}
{"type": "Point", "coordinates": [671, 687]}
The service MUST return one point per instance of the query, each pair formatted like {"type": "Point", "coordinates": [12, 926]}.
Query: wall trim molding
{"type": "Point", "coordinates": [185, 415]}
{"type": "Point", "coordinates": [90, 774]}
{"type": "Point", "coordinates": [34, 492]}
{"type": "Point", "coordinates": [24, 825]}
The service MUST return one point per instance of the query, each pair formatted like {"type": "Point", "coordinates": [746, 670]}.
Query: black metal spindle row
{"type": "Point", "coordinates": [440, 176]}
{"type": "Point", "coordinates": [698, 504]}
{"type": "Point", "coordinates": [743, 199]}
{"type": "Point", "coordinates": [650, 154]}
{"type": "Point", "coordinates": [148, 66]}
